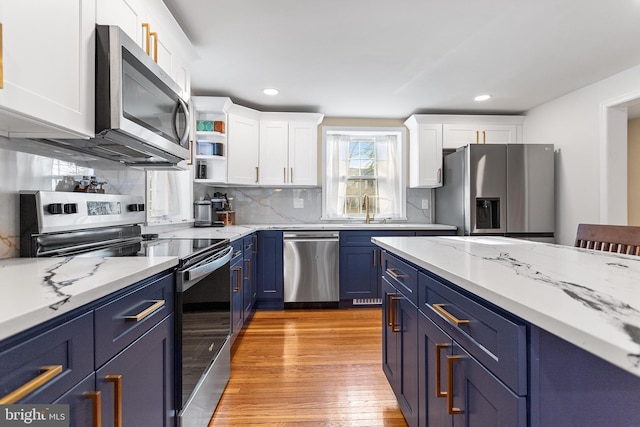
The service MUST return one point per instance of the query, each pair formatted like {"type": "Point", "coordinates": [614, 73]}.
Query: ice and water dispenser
{"type": "Point", "coordinates": [487, 213]}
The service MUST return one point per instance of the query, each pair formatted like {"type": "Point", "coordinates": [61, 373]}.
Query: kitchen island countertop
{"type": "Point", "coordinates": [588, 298]}
{"type": "Point", "coordinates": [35, 290]}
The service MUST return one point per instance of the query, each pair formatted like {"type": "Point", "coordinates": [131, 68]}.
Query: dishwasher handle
{"type": "Point", "coordinates": [305, 236]}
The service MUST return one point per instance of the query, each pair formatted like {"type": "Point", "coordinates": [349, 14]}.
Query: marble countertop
{"type": "Point", "coordinates": [233, 232]}
{"type": "Point", "coordinates": [588, 298]}
{"type": "Point", "coordinates": [35, 290]}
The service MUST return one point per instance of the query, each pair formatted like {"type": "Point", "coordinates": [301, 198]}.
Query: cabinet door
{"type": "Point", "coordinates": [242, 147]}
{"type": "Point", "coordinates": [303, 153]}
{"type": "Point", "coordinates": [248, 287]}
{"type": "Point", "coordinates": [145, 385]}
{"type": "Point", "coordinates": [81, 403]}
{"type": "Point", "coordinates": [457, 135]}
{"type": "Point", "coordinates": [400, 355]}
{"type": "Point", "coordinates": [358, 272]}
{"type": "Point", "coordinates": [48, 59]}
{"type": "Point", "coordinates": [270, 266]}
{"type": "Point", "coordinates": [274, 136]}
{"type": "Point", "coordinates": [481, 399]}
{"type": "Point", "coordinates": [425, 156]}
{"type": "Point", "coordinates": [433, 348]}
{"type": "Point", "coordinates": [126, 14]}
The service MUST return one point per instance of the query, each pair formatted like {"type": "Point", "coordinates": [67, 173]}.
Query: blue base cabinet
{"type": "Point", "coordinates": [237, 297]}
{"type": "Point", "coordinates": [270, 270]}
{"type": "Point", "coordinates": [250, 278]}
{"type": "Point", "coordinates": [97, 348]}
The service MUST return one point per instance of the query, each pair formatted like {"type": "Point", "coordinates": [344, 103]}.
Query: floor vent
{"type": "Point", "coordinates": [367, 301]}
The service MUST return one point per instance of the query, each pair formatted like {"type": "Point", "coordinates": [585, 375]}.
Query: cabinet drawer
{"type": "Point", "coordinates": [238, 250]}
{"type": "Point", "coordinates": [69, 346]}
{"type": "Point", "coordinates": [116, 325]}
{"type": "Point", "coordinates": [402, 276]}
{"type": "Point", "coordinates": [499, 343]}
{"type": "Point", "coordinates": [363, 237]}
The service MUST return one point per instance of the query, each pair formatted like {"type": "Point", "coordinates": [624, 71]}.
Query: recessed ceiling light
{"type": "Point", "coordinates": [270, 91]}
{"type": "Point", "coordinates": [482, 97]}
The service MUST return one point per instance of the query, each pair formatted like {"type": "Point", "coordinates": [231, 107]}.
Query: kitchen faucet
{"type": "Point", "coordinates": [365, 203]}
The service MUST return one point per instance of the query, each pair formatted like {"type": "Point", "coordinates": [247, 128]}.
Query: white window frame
{"type": "Point", "coordinates": [401, 165]}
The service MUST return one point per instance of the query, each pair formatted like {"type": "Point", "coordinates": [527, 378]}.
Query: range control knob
{"type": "Point", "coordinates": [71, 208]}
{"type": "Point", "coordinates": [55, 208]}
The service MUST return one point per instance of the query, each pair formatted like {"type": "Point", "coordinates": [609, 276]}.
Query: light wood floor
{"type": "Point", "coordinates": [309, 368]}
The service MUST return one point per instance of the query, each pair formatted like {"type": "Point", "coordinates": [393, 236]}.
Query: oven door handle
{"type": "Point", "coordinates": [207, 268]}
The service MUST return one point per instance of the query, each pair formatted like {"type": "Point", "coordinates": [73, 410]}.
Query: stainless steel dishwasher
{"type": "Point", "coordinates": [311, 266]}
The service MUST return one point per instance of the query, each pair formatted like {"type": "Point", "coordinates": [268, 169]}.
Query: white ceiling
{"type": "Point", "coordinates": [381, 58]}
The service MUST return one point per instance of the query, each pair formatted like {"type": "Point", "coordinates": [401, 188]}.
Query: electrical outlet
{"type": "Point", "coordinates": [425, 203]}
{"type": "Point", "coordinates": [298, 203]}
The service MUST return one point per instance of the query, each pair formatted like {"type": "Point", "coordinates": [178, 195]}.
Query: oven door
{"type": "Point", "coordinates": [203, 323]}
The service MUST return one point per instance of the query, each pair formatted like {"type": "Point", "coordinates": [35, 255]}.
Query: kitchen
{"type": "Point", "coordinates": [572, 119]}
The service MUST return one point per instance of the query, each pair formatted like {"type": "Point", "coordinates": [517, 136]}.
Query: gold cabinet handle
{"type": "Point", "coordinates": [117, 398]}
{"type": "Point", "coordinates": [450, 317]}
{"type": "Point", "coordinates": [157, 305]}
{"type": "Point", "coordinates": [374, 257]}
{"type": "Point", "coordinates": [238, 271]}
{"type": "Point", "coordinates": [484, 136]}
{"type": "Point", "coordinates": [394, 314]}
{"type": "Point", "coordinates": [255, 244]}
{"type": "Point", "coordinates": [256, 174]}
{"type": "Point", "coordinates": [439, 175]}
{"type": "Point", "coordinates": [50, 372]}
{"type": "Point", "coordinates": [96, 407]}
{"type": "Point", "coordinates": [284, 175]}
{"type": "Point", "coordinates": [477, 137]}
{"type": "Point", "coordinates": [389, 296]}
{"type": "Point", "coordinates": [248, 261]}
{"type": "Point", "coordinates": [439, 392]}
{"type": "Point", "coordinates": [1, 68]}
{"type": "Point", "coordinates": [147, 38]}
{"type": "Point", "coordinates": [190, 153]}
{"type": "Point", "coordinates": [450, 361]}
{"type": "Point", "coordinates": [394, 274]}
{"type": "Point", "coordinates": [291, 178]}
{"type": "Point", "coordinates": [155, 45]}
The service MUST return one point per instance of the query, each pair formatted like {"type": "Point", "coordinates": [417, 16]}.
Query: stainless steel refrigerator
{"type": "Point", "coordinates": [499, 189]}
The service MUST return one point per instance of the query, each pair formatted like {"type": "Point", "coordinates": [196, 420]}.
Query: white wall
{"type": "Point", "coordinates": [587, 190]}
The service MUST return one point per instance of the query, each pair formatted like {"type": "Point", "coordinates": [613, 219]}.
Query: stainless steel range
{"type": "Point", "coordinates": [105, 225]}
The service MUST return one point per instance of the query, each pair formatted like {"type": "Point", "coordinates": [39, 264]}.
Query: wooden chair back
{"type": "Point", "coordinates": [621, 239]}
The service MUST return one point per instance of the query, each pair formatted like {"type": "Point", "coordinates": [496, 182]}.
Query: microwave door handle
{"type": "Point", "coordinates": [187, 118]}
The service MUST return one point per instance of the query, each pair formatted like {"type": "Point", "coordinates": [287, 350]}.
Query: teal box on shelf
{"type": "Point", "coordinates": [204, 125]}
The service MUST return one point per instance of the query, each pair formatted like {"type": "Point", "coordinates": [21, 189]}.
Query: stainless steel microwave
{"type": "Point", "coordinates": [141, 116]}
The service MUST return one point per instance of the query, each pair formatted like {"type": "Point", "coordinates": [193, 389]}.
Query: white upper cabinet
{"type": "Point", "coordinates": [462, 130]}
{"type": "Point", "coordinates": [48, 57]}
{"type": "Point", "coordinates": [152, 26]}
{"type": "Point", "coordinates": [289, 149]}
{"type": "Point", "coordinates": [425, 153]}
{"type": "Point", "coordinates": [242, 145]}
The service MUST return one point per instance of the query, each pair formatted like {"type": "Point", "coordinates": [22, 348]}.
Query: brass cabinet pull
{"type": "Point", "coordinates": [450, 361]}
{"type": "Point", "coordinates": [147, 38]}
{"type": "Point", "coordinates": [439, 175]}
{"type": "Point", "coordinates": [50, 372]}
{"type": "Point", "coordinates": [484, 136]}
{"type": "Point", "coordinates": [248, 261]}
{"type": "Point", "coordinates": [256, 173]}
{"type": "Point", "coordinates": [381, 257]}
{"type": "Point", "coordinates": [291, 178]}
{"type": "Point", "coordinates": [155, 45]}
{"type": "Point", "coordinates": [157, 305]}
{"type": "Point", "coordinates": [190, 152]}
{"type": "Point", "coordinates": [477, 137]}
{"type": "Point", "coordinates": [255, 244]}
{"type": "Point", "coordinates": [450, 317]}
{"type": "Point", "coordinates": [439, 392]}
{"type": "Point", "coordinates": [284, 175]}
{"type": "Point", "coordinates": [96, 407]}
{"type": "Point", "coordinates": [238, 271]}
{"type": "Point", "coordinates": [389, 296]}
{"type": "Point", "coordinates": [394, 315]}
{"type": "Point", "coordinates": [117, 398]}
{"type": "Point", "coordinates": [394, 274]}
{"type": "Point", "coordinates": [1, 68]}
{"type": "Point", "coordinates": [373, 255]}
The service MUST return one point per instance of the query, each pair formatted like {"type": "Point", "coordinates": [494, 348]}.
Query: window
{"type": "Point", "coordinates": [359, 163]}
